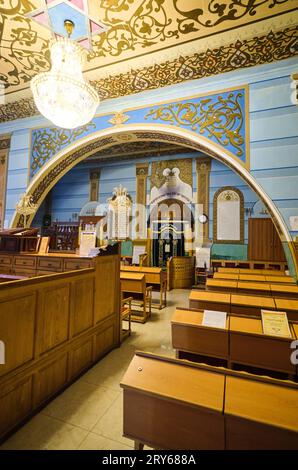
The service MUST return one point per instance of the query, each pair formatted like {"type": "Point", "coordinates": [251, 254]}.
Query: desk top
{"type": "Point", "coordinates": [222, 283]}
{"type": "Point", "coordinates": [131, 276]}
{"type": "Point", "coordinates": [245, 325]}
{"type": "Point", "coordinates": [286, 304]}
{"type": "Point", "coordinates": [176, 381]}
{"type": "Point", "coordinates": [262, 402]}
{"type": "Point", "coordinates": [210, 296]}
{"type": "Point", "coordinates": [280, 279]}
{"type": "Point", "coordinates": [142, 269]}
{"type": "Point", "coordinates": [274, 272]}
{"type": "Point", "coordinates": [226, 276]}
{"type": "Point", "coordinates": [252, 277]}
{"type": "Point", "coordinates": [187, 317]}
{"type": "Point", "coordinates": [284, 288]}
{"type": "Point", "coordinates": [229, 270]}
{"type": "Point", "coordinates": [260, 286]}
{"type": "Point", "coordinates": [253, 301]}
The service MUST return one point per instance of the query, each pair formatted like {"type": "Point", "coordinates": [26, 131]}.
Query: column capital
{"type": "Point", "coordinates": [203, 165]}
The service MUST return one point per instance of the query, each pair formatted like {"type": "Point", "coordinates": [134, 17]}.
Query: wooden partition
{"type": "Point", "coordinates": [53, 328]}
{"type": "Point", "coordinates": [181, 272]}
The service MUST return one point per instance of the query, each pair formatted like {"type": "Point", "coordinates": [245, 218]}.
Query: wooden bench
{"type": "Point", "coordinates": [253, 288]}
{"type": "Point", "coordinates": [241, 304]}
{"type": "Point", "coordinates": [134, 285]}
{"type": "Point", "coordinates": [202, 300]}
{"type": "Point", "coordinates": [155, 277]}
{"type": "Point", "coordinates": [241, 342]}
{"type": "Point", "coordinates": [254, 278]}
{"type": "Point", "coordinates": [174, 404]}
{"type": "Point", "coordinates": [275, 266]}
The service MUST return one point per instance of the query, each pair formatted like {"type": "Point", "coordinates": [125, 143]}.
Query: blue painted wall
{"type": "Point", "coordinates": [273, 135]}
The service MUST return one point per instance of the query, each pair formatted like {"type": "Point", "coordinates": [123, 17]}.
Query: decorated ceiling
{"type": "Point", "coordinates": [140, 44]}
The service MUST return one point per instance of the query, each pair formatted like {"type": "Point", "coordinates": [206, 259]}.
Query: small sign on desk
{"type": "Point", "coordinates": [275, 323]}
{"type": "Point", "coordinates": [214, 319]}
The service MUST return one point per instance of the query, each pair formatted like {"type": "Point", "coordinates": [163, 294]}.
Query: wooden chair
{"type": "Point", "coordinates": [125, 315]}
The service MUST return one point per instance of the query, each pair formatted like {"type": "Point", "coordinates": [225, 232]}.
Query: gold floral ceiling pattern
{"type": "Point", "coordinates": [135, 28]}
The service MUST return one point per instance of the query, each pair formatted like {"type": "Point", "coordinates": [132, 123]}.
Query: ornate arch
{"type": "Point", "coordinates": [79, 150]}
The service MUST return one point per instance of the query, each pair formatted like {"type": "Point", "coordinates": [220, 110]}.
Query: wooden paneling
{"type": "Point", "coordinates": [80, 358]}
{"type": "Point", "coordinates": [51, 264]}
{"type": "Point", "coordinates": [15, 404]}
{"type": "Point", "coordinates": [82, 305]}
{"type": "Point", "coordinates": [72, 264]}
{"type": "Point", "coordinates": [49, 379]}
{"type": "Point", "coordinates": [17, 324]}
{"type": "Point", "coordinates": [53, 317]}
{"type": "Point", "coordinates": [170, 425]}
{"type": "Point", "coordinates": [104, 340]}
{"type": "Point", "coordinates": [36, 318]}
{"type": "Point", "coordinates": [108, 303]}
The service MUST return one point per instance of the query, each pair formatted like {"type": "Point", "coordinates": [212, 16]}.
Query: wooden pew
{"type": "Point", "coordinates": [226, 285]}
{"type": "Point", "coordinates": [249, 346]}
{"type": "Point", "coordinates": [260, 413]}
{"type": "Point", "coordinates": [241, 343]}
{"type": "Point", "coordinates": [171, 405]}
{"type": "Point", "coordinates": [134, 285]}
{"type": "Point", "coordinates": [155, 277]}
{"type": "Point", "coordinates": [202, 300]}
{"type": "Point", "coordinates": [254, 288]}
{"type": "Point", "coordinates": [264, 272]}
{"type": "Point", "coordinates": [255, 278]}
{"type": "Point", "coordinates": [208, 408]}
{"type": "Point", "coordinates": [238, 304]}
{"type": "Point", "coordinates": [250, 304]}
{"type": "Point", "coordinates": [190, 337]}
{"type": "Point", "coordinates": [287, 305]}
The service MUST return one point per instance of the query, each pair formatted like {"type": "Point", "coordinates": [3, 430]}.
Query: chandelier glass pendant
{"type": "Point", "coordinates": [62, 95]}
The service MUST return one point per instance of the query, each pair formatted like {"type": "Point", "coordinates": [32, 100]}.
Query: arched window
{"type": "Point", "coordinates": [228, 216]}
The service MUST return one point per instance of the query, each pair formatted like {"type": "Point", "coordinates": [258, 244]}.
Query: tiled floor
{"type": "Point", "coordinates": [88, 415]}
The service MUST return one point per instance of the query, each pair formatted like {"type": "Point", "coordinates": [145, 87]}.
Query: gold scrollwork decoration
{"type": "Point", "coordinates": [47, 142]}
{"type": "Point", "coordinates": [221, 120]}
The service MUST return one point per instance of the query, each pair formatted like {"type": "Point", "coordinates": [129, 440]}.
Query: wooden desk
{"type": "Point", "coordinates": [134, 284]}
{"type": "Point", "coordinates": [170, 404]}
{"type": "Point", "coordinates": [289, 306]}
{"type": "Point", "coordinates": [174, 404]}
{"type": "Point", "coordinates": [230, 277]}
{"type": "Point", "coordinates": [261, 288]}
{"type": "Point", "coordinates": [251, 277]}
{"type": "Point", "coordinates": [155, 277]}
{"type": "Point", "coordinates": [280, 279]}
{"type": "Point", "coordinates": [250, 347]}
{"type": "Point", "coordinates": [250, 304]}
{"type": "Point", "coordinates": [221, 284]}
{"type": "Point", "coordinates": [260, 415]}
{"type": "Point", "coordinates": [190, 336]}
{"type": "Point", "coordinates": [229, 270]}
{"type": "Point", "coordinates": [251, 271]}
{"type": "Point", "coordinates": [284, 290]}
{"type": "Point", "coordinates": [201, 300]}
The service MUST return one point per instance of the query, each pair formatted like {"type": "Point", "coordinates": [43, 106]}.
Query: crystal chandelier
{"type": "Point", "coordinates": [62, 95]}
